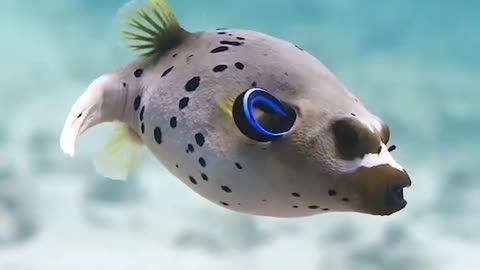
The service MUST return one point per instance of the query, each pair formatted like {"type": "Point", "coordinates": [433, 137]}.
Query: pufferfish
{"type": "Point", "coordinates": [250, 122]}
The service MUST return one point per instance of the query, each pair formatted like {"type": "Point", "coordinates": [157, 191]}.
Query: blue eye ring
{"type": "Point", "coordinates": [244, 117]}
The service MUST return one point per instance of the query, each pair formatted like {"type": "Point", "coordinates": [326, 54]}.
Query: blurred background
{"type": "Point", "coordinates": [414, 63]}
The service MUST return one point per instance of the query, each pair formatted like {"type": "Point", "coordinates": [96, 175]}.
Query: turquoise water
{"type": "Point", "coordinates": [415, 63]}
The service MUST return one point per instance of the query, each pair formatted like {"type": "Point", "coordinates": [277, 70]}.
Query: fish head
{"type": "Point", "coordinates": [337, 160]}
{"type": "Point", "coordinates": [323, 148]}
{"type": "Point", "coordinates": [349, 154]}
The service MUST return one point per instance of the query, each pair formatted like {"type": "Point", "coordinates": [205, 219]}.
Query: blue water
{"type": "Point", "coordinates": [415, 63]}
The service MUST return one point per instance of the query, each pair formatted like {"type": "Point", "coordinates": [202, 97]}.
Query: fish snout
{"type": "Point", "coordinates": [394, 192]}
{"type": "Point", "coordinates": [380, 189]}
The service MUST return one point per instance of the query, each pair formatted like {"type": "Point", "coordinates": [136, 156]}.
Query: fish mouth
{"type": "Point", "coordinates": [394, 195]}
{"type": "Point", "coordinates": [397, 194]}
{"type": "Point", "coordinates": [380, 189]}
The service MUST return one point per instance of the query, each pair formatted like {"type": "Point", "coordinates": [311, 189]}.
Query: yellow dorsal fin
{"type": "Point", "coordinates": [152, 28]}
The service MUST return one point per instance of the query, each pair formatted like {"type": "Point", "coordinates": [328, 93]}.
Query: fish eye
{"type": "Point", "coordinates": [261, 116]}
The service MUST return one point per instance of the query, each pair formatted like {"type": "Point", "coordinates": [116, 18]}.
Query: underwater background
{"type": "Point", "coordinates": [414, 63]}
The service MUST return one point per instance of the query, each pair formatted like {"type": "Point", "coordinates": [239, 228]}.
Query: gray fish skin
{"type": "Point", "coordinates": [298, 175]}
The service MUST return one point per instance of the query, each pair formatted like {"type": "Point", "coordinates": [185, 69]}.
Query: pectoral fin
{"type": "Point", "coordinates": [121, 155]}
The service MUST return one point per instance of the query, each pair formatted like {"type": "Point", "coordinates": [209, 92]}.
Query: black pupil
{"type": "Point", "coordinates": [272, 121]}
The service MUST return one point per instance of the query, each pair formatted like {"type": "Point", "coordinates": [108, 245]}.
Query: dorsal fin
{"type": "Point", "coordinates": [153, 28]}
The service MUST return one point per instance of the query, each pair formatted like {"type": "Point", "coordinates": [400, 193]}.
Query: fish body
{"type": "Point", "coordinates": [188, 100]}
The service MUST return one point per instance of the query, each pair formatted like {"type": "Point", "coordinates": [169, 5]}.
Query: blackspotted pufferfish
{"type": "Point", "coordinates": [248, 121]}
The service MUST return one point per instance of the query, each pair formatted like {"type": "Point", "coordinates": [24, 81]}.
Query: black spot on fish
{"type": "Point", "coordinates": [167, 71]}
{"type": "Point", "coordinates": [221, 33]}
{"type": "Point", "coordinates": [325, 209]}
{"type": "Point", "coordinates": [392, 148]}
{"type": "Point", "coordinates": [226, 189]}
{"type": "Point", "coordinates": [204, 177]}
{"type": "Point", "coordinates": [219, 49]}
{"type": "Point", "coordinates": [222, 29]}
{"type": "Point", "coordinates": [136, 103]}
{"type": "Point", "coordinates": [200, 139]}
{"type": "Point", "coordinates": [299, 48]}
{"type": "Point", "coordinates": [239, 65]}
{"type": "Point", "coordinates": [231, 43]}
{"type": "Point", "coordinates": [173, 122]}
{"type": "Point", "coordinates": [192, 84]}
{"type": "Point", "coordinates": [190, 148]}
{"type": "Point", "coordinates": [142, 111]}
{"type": "Point", "coordinates": [295, 206]}
{"type": "Point", "coordinates": [354, 115]}
{"type": "Point", "coordinates": [79, 115]}
{"type": "Point", "coordinates": [174, 55]}
{"type": "Point", "coordinates": [295, 194]}
{"type": "Point", "coordinates": [188, 57]}
{"type": "Point", "coordinates": [183, 103]}
{"type": "Point", "coordinates": [240, 38]}
{"type": "Point", "coordinates": [138, 73]}
{"type": "Point", "coordinates": [345, 199]}
{"type": "Point", "coordinates": [220, 68]}
{"type": "Point", "coordinates": [239, 166]}
{"type": "Point", "coordinates": [332, 192]}
{"type": "Point", "coordinates": [176, 165]}
{"type": "Point", "coordinates": [124, 85]}
{"type": "Point", "coordinates": [230, 35]}
{"type": "Point", "coordinates": [313, 207]}
{"type": "Point", "coordinates": [157, 134]}
{"type": "Point", "coordinates": [143, 128]}
{"type": "Point", "coordinates": [193, 180]}
{"type": "Point", "coordinates": [224, 203]}
{"type": "Point", "coordinates": [202, 162]}
{"type": "Point", "coordinates": [254, 84]}
{"type": "Point", "coordinates": [264, 200]}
